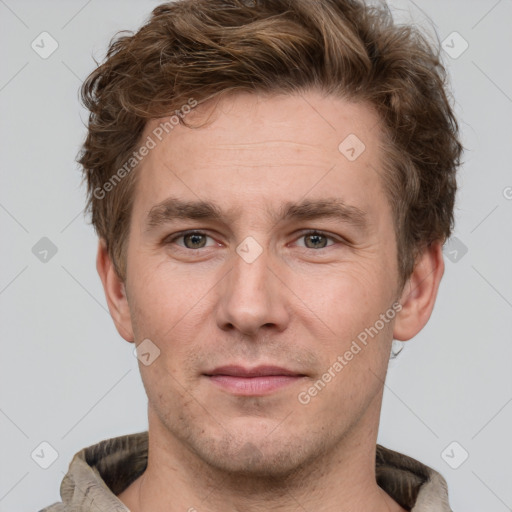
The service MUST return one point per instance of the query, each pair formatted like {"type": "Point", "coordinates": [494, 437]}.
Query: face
{"type": "Point", "coordinates": [258, 253]}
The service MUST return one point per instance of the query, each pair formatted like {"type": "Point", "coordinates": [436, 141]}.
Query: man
{"type": "Point", "coordinates": [271, 183]}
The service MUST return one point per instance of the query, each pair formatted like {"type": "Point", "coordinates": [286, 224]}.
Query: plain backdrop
{"type": "Point", "coordinates": [68, 379]}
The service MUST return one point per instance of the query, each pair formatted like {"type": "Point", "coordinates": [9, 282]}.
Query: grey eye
{"type": "Point", "coordinates": [197, 240]}
{"type": "Point", "coordinates": [316, 240]}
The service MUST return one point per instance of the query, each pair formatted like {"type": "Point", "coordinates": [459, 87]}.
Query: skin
{"type": "Point", "coordinates": [299, 305]}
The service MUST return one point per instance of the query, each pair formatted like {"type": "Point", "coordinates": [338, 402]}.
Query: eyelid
{"type": "Point", "coordinates": [172, 238]}
{"type": "Point", "coordinates": [180, 234]}
{"type": "Point", "coordinates": [325, 234]}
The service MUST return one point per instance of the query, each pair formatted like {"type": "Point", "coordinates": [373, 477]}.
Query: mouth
{"type": "Point", "coordinates": [258, 381]}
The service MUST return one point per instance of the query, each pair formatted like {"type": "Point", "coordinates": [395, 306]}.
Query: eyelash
{"type": "Point", "coordinates": [303, 234]}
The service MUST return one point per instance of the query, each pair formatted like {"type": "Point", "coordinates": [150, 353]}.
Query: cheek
{"type": "Point", "coordinates": [161, 297]}
{"type": "Point", "coordinates": [173, 312]}
{"type": "Point", "coordinates": [346, 300]}
{"type": "Point", "coordinates": [169, 394]}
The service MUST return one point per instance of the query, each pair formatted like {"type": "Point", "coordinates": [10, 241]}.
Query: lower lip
{"type": "Point", "coordinates": [252, 386]}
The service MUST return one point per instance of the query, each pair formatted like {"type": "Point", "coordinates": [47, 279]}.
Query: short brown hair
{"type": "Point", "coordinates": [205, 48]}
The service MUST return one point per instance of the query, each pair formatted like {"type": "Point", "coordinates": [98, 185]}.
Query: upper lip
{"type": "Point", "coordinates": [258, 371]}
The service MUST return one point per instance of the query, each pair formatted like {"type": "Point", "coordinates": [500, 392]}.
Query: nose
{"type": "Point", "coordinates": [252, 296]}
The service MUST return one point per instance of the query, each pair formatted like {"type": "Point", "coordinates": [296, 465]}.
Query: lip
{"type": "Point", "coordinates": [258, 371]}
{"type": "Point", "coordinates": [257, 381]}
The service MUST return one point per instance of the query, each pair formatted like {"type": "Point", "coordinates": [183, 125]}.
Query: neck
{"type": "Point", "coordinates": [341, 479]}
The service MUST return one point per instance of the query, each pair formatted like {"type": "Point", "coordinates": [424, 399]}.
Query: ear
{"type": "Point", "coordinates": [114, 292]}
{"type": "Point", "coordinates": [420, 292]}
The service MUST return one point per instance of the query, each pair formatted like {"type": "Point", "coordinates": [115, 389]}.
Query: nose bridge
{"type": "Point", "coordinates": [251, 297]}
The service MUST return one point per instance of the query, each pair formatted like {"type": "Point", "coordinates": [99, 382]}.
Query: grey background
{"type": "Point", "coordinates": [67, 378]}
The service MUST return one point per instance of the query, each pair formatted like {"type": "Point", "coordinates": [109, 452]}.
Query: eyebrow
{"type": "Point", "coordinates": [174, 208]}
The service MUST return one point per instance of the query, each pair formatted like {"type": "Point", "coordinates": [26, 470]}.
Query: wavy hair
{"type": "Point", "coordinates": [345, 48]}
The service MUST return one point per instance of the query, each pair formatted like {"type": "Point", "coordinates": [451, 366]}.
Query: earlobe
{"type": "Point", "coordinates": [420, 292]}
{"type": "Point", "coordinates": [115, 292]}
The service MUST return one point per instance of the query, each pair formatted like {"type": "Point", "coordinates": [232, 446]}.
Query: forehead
{"type": "Point", "coordinates": [310, 124]}
{"type": "Point", "coordinates": [264, 148]}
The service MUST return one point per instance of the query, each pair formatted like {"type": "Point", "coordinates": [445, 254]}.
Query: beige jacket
{"type": "Point", "coordinates": [99, 473]}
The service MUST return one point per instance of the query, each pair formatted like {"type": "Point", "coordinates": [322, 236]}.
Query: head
{"type": "Point", "coordinates": [251, 122]}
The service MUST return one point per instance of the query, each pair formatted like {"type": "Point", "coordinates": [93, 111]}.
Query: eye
{"type": "Point", "coordinates": [316, 239]}
{"type": "Point", "coordinates": [195, 240]}
{"type": "Point", "coordinates": [191, 239]}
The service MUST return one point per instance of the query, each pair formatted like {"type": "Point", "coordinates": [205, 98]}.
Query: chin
{"type": "Point", "coordinates": [250, 461]}
{"type": "Point", "coordinates": [256, 456]}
